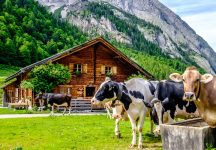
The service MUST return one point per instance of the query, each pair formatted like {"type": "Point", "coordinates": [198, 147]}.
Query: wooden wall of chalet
{"type": "Point", "coordinates": [94, 58]}
{"type": "Point", "coordinates": [14, 93]}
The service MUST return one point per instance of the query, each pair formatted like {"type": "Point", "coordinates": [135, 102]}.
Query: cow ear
{"type": "Point", "coordinates": [176, 77]}
{"type": "Point", "coordinates": [107, 79]}
{"type": "Point", "coordinates": [116, 87]}
{"type": "Point", "coordinates": [206, 78]}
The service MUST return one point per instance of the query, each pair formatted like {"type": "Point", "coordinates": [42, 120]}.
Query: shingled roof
{"type": "Point", "coordinates": [78, 48]}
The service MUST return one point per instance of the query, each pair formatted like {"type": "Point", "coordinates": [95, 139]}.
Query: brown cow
{"type": "Point", "coordinates": [119, 113]}
{"type": "Point", "coordinates": [202, 90]}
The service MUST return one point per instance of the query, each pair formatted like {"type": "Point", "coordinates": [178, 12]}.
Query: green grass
{"type": "Point", "coordinates": [70, 132]}
{"type": "Point", "coordinates": [5, 71]}
{"type": "Point", "coordinates": [20, 111]}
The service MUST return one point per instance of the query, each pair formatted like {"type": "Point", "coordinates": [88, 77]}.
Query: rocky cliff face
{"type": "Point", "coordinates": [175, 37]}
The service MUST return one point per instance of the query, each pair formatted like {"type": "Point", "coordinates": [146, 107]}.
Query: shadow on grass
{"type": "Point", "coordinates": [151, 138]}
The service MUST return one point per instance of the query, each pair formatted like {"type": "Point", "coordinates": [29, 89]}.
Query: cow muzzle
{"type": "Point", "coordinates": [116, 116]}
{"type": "Point", "coordinates": [94, 101]}
{"type": "Point", "coordinates": [189, 96]}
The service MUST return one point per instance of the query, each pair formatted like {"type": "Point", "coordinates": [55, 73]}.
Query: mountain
{"type": "Point", "coordinates": [29, 33]}
{"type": "Point", "coordinates": [145, 25]}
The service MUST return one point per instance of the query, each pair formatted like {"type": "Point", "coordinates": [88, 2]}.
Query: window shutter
{"type": "Point", "coordinates": [114, 70]}
{"type": "Point", "coordinates": [85, 68]}
{"type": "Point", "coordinates": [71, 67]}
{"type": "Point", "coordinates": [102, 69]}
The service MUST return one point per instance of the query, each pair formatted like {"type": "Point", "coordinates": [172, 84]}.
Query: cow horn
{"type": "Point", "coordinates": [188, 103]}
{"type": "Point", "coordinates": [165, 101]}
{"type": "Point", "coordinates": [107, 79]}
{"type": "Point", "coordinates": [155, 100]}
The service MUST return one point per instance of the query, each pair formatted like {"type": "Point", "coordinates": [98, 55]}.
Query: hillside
{"type": "Point", "coordinates": [30, 33]}
{"type": "Point", "coordinates": [146, 25]}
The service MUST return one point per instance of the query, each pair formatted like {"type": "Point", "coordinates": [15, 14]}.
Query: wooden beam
{"type": "Point", "coordinates": [94, 62]}
{"type": "Point", "coordinates": [117, 57]}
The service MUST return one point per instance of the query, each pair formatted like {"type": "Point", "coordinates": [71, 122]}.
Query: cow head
{"type": "Point", "coordinates": [192, 80]}
{"type": "Point", "coordinates": [108, 91]}
{"type": "Point", "coordinates": [118, 110]}
{"type": "Point", "coordinates": [42, 99]}
{"type": "Point", "coordinates": [153, 115]}
{"type": "Point", "coordinates": [39, 96]}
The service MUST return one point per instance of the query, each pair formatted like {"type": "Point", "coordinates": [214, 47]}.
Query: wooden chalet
{"type": "Point", "coordinates": [89, 64]}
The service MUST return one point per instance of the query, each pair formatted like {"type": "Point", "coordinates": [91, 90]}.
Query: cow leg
{"type": "Point", "coordinates": [65, 108]}
{"type": "Point", "coordinates": [133, 124]}
{"type": "Point", "coordinates": [152, 126]}
{"type": "Point", "coordinates": [69, 110]}
{"type": "Point", "coordinates": [52, 112]}
{"type": "Point", "coordinates": [42, 107]}
{"type": "Point", "coordinates": [171, 116]}
{"type": "Point", "coordinates": [158, 107]}
{"type": "Point", "coordinates": [140, 128]}
{"type": "Point", "coordinates": [117, 132]}
{"type": "Point", "coordinates": [108, 113]}
{"type": "Point", "coordinates": [41, 103]}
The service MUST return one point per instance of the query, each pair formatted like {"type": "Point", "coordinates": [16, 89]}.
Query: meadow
{"type": "Point", "coordinates": [70, 132]}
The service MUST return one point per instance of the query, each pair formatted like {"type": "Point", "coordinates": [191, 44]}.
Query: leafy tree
{"type": "Point", "coordinates": [46, 77]}
{"type": "Point", "coordinates": [26, 85]}
{"type": "Point", "coordinates": [29, 33]}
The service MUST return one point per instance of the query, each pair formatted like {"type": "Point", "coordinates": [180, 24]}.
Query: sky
{"type": "Point", "coordinates": [199, 14]}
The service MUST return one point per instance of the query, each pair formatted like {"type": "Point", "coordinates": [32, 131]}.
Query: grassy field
{"type": "Point", "coordinates": [5, 71]}
{"type": "Point", "coordinates": [69, 132]}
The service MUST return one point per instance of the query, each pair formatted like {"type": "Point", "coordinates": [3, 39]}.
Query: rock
{"type": "Point", "coordinates": [193, 134]}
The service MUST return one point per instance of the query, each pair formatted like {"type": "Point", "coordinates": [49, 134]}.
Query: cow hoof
{"type": "Point", "coordinates": [132, 146]}
{"type": "Point", "coordinates": [156, 133]}
{"type": "Point", "coordinates": [140, 146]}
{"type": "Point", "coordinates": [118, 135]}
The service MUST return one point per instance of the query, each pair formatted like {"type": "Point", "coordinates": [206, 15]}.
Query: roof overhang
{"type": "Point", "coordinates": [76, 49]}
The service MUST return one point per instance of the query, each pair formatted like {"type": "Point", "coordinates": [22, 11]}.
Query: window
{"type": "Point", "coordinates": [107, 70]}
{"type": "Point", "coordinates": [65, 90]}
{"type": "Point", "coordinates": [77, 68]}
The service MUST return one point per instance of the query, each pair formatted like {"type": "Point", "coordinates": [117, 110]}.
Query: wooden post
{"type": "Point", "coordinates": [25, 95]}
{"type": "Point", "coordinates": [16, 95]}
{"type": "Point", "coordinates": [20, 93]}
{"type": "Point", "coordinates": [84, 92]}
{"type": "Point", "coordinates": [33, 100]}
{"type": "Point", "coordinates": [94, 63]}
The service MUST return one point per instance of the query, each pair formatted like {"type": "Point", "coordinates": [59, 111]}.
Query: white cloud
{"type": "Point", "coordinates": [199, 14]}
{"type": "Point", "coordinates": [204, 25]}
